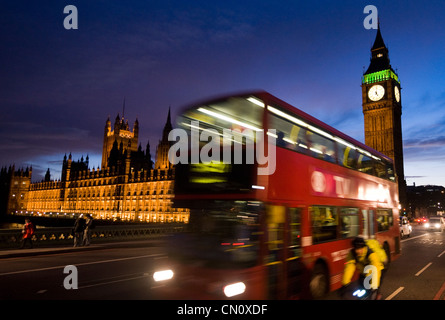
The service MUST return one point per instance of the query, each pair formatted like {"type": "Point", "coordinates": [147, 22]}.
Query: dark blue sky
{"type": "Point", "coordinates": [57, 86]}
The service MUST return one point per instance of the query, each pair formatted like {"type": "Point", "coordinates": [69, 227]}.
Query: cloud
{"type": "Point", "coordinates": [425, 137]}
{"type": "Point", "coordinates": [24, 142]}
{"type": "Point", "coordinates": [40, 135]}
{"type": "Point", "coordinates": [425, 143]}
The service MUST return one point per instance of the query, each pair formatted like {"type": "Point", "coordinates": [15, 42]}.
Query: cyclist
{"type": "Point", "coordinates": [358, 258]}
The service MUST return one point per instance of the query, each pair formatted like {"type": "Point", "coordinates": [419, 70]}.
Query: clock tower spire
{"type": "Point", "coordinates": [382, 109]}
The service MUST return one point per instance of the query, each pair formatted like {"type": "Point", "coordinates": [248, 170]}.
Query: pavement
{"type": "Point", "coordinates": [36, 251]}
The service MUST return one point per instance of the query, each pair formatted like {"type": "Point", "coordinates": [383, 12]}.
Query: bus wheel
{"type": "Point", "coordinates": [319, 283]}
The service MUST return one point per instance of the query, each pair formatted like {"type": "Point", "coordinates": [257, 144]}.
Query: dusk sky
{"type": "Point", "coordinates": [58, 86]}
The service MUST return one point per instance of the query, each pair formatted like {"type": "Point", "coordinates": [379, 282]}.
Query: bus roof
{"type": "Point", "coordinates": [269, 99]}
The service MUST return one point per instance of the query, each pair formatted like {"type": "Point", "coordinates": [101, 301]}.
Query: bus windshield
{"type": "Point", "coordinates": [221, 155]}
{"type": "Point", "coordinates": [223, 235]}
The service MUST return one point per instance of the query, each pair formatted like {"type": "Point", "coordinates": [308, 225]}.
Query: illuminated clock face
{"type": "Point", "coordinates": [397, 93]}
{"type": "Point", "coordinates": [376, 92]}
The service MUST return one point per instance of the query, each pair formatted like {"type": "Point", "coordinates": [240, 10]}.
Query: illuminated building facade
{"type": "Point", "coordinates": [126, 188]}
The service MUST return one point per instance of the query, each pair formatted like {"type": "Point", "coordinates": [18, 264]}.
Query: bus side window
{"type": "Point", "coordinates": [350, 158]}
{"type": "Point", "coordinates": [324, 223]}
{"type": "Point", "coordinates": [390, 171]}
{"type": "Point", "coordinates": [322, 147]}
{"type": "Point", "coordinates": [290, 135]}
{"type": "Point", "coordinates": [380, 169]}
{"type": "Point", "coordinates": [365, 164]}
{"type": "Point", "coordinates": [349, 223]}
{"type": "Point", "coordinates": [384, 219]}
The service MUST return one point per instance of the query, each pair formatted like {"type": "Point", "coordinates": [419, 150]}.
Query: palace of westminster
{"type": "Point", "coordinates": [127, 187]}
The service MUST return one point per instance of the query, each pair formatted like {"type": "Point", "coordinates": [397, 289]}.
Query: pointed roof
{"type": "Point", "coordinates": [378, 43]}
{"type": "Point", "coordinates": [169, 121]}
{"type": "Point", "coordinates": [379, 55]}
{"type": "Point", "coordinates": [167, 128]}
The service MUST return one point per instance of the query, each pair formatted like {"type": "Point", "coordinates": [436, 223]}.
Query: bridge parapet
{"type": "Point", "coordinates": [44, 237]}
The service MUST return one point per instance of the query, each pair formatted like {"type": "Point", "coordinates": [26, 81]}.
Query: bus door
{"type": "Point", "coordinates": [368, 223]}
{"type": "Point", "coordinates": [294, 265]}
{"type": "Point", "coordinates": [283, 250]}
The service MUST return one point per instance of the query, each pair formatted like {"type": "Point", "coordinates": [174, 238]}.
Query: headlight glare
{"type": "Point", "coordinates": [234, 289]}
{"type": "Point", "coordinates": [163, 275]}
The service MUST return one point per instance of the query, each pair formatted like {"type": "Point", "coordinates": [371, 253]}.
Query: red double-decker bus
{"type": "Point", "coordinates": [280, 234]}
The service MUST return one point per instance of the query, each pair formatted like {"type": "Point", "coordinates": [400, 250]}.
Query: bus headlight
{"type": "Point", "coordinates": [163, 275]}
{"type": "Point", "coordinates": [437, 225]}
{"type": "Point", "coordinates": [427, 225]}
{"type": "Point", "coordinates": [234, 289]}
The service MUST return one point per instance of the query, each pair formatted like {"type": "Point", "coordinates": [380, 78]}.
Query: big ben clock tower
{"type": "Point", "coordinates": [382, 109]}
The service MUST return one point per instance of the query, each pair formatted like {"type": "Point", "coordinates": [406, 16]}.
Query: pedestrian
{"type": "Point", "coordinates": [28, 232]}
{"type": "Point", "coordinates": [79, 227]}
{"type": "Point", "coordinates": [88, 230]}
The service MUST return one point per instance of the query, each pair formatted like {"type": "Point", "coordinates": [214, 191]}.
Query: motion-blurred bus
{"type": "Point", "coordinates": [280, 235]}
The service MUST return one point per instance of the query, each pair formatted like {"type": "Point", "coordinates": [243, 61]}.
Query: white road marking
{"type": "Point", "coordinates": [423, 269]}
{"type": "Point", "coordinates": [110, 282]}
{"type": "Point", "coordinates": [80, 264]}
{"type": "Point", "coordinates": [396, 292]}
{"type": "Point", "coordinates": [422, 235]}
{"type": "Point", "coordinates": [392, 295]}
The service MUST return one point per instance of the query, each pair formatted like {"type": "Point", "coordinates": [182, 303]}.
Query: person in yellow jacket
{"type": "Point", "coordinates": [359, 258]}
